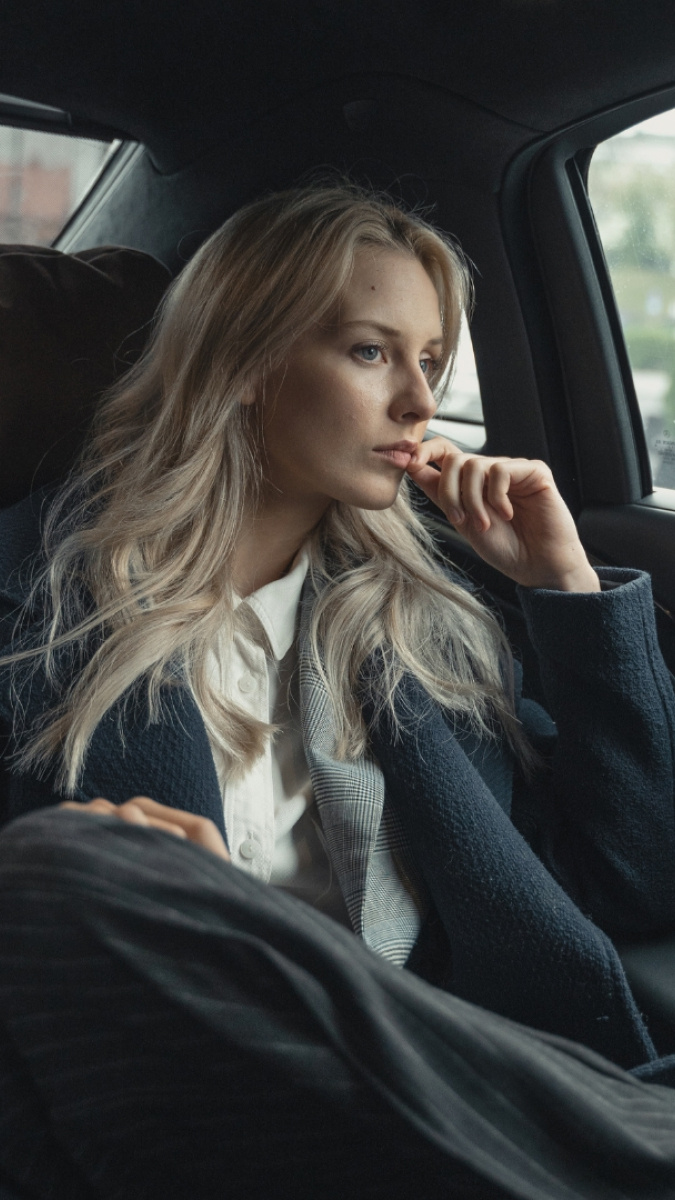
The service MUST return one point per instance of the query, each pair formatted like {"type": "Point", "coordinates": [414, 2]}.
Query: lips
{"type": "Point", "coordinates": [410, 447]}
{"type": "Point", "coordinates": [400, 458]}
{"type": "Point", "coordinates": [399, 453]}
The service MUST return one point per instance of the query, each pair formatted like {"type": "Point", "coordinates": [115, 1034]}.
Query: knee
{"type": "Point", "coordinates": [51, 844]}
{"type": "Point", "coordinates": [89, 855]}
{"type": "Point", "coordinates": [26, 836]}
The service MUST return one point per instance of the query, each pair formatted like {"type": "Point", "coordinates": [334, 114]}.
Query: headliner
{"type": "Point", "coordinates": [180, 76]}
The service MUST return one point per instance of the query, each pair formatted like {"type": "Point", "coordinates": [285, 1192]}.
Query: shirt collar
{"type": "Point", "coordinates": [276, 604]}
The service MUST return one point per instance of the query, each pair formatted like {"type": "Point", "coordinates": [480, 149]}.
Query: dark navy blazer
{"type": "Point", "coordinates": [527, 878]}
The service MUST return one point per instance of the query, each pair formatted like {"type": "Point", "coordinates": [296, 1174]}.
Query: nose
{"type": "Point", "coordinates": [414, 401]}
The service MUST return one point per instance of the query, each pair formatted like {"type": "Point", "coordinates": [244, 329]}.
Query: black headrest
{"type": "Point", "coordinates": [70, 325]}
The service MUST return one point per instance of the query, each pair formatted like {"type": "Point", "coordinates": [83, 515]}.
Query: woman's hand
{"type": "Point", "coordinates": [141, 810]}
{"type": "Point", "coordinates": [510, 511]}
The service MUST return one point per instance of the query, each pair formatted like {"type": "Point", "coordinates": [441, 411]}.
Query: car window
{"type": "Point", "coordinates": [43, 177]}
{"type": "Point", "coordinates": [460, 412]}
{"type": "Point", "coordinates": [631, 186]}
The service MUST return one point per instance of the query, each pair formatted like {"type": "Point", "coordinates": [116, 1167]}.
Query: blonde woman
{"type": "Point", "coordinates": [240, 633]}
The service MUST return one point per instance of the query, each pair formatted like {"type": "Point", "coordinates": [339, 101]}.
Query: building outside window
{"type": "Point", "coordinates": [43, 177]}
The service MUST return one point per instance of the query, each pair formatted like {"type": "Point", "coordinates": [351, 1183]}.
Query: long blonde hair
{"type": "Point", "coordinates": [140, 542]}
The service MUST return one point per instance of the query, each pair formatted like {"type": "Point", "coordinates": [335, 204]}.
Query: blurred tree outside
{"type": "Point", "coordinates": [632, 190]}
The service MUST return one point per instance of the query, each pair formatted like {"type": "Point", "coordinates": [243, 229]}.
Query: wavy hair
{"type": "Point", "coordinates": [139, 543]}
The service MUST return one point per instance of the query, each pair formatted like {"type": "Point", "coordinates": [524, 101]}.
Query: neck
{"type": "Point", "coordinates": [269, 542]}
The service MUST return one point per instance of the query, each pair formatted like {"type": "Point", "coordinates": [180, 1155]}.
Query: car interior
{"type": "Point", "coordinates": [486, 116]}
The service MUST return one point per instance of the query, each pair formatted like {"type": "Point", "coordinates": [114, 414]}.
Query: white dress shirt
{"type": "Point", "coordinates": [271, 818]}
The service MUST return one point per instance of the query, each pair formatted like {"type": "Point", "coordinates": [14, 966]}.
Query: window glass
{"type": "Point", "coordinates": [632, 190]}
{"type": "Point", "coordinates": [43, 177]}
{"type": "Point", "coordinates": [460, 411]}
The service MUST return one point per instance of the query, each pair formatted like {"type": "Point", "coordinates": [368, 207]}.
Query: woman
{"type": "Point", "coordinates": [240, 617]}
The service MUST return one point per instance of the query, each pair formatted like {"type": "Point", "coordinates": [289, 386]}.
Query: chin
{"type": "Point", "coordinates": [373, 499]}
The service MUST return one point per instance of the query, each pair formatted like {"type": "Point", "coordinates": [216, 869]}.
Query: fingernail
{"type": "Point", "coordinates": [456, 517]}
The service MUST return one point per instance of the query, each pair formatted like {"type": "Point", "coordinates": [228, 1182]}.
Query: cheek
{"type": "Point", "coordinates": [351, 411]}
{"type": "Point", "coordinates": [340, 433]}
{"type": "Point", "coordinates": [322, 412]}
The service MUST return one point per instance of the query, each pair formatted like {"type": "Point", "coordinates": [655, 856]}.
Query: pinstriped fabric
{"type": "Point", "coordinates": [186, 1033]}
{"type": "Point", "coordinates": [364, 838]}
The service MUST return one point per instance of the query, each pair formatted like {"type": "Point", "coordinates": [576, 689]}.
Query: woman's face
{"type": "Point", "coordinates": [354, 387]}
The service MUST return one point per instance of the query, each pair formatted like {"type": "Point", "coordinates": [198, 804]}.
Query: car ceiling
{"type": "Point", "coordinates": [182, 77]}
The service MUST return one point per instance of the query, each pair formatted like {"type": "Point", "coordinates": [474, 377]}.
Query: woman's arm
{"type": "Point", "coordinates": [603, 818]}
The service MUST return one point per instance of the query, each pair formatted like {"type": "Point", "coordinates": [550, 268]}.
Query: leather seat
{"type": "Point", "coordinates": [70, 325]}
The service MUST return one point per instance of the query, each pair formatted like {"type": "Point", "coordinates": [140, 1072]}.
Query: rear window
{"type": "Point", "coordinates": [632, 189]}
{"type": "Point", "coordinates": [43, 178]}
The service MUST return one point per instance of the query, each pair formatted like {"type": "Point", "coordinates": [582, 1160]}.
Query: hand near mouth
{"type": "Point", "coordinates": [510, 511]}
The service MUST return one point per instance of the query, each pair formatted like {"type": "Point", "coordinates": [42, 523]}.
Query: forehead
{"type": "Point", "coordinates": [390, 286]}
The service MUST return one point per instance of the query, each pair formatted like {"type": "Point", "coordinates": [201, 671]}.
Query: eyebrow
{"type": "Point", "coordinates": [387, 329]}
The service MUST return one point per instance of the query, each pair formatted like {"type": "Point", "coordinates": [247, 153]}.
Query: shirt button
{"type": "Point", "coordinates": [246, 684]}
{"type": "Point", "coordinates": [249, 849]}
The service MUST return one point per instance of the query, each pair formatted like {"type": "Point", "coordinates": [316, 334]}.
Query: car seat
{"type": "Point", "coordinates": [70, 325]}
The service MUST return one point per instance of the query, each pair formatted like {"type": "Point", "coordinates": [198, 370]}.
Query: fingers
{"type": "Point", "coordinates": [474, 487]}
{"type": "Point", "coordinates": [467, 481]}
{"type": "Point", "coordinates": [441, 453]}
{"type": "Point", "coordinates": [498, 483]}
{"type": "Point", "coordinates": [141, 810]}
{"type": "Point", "coordinates": [99, 806]}
{"type": "Point", "coordinates": [199, 830]}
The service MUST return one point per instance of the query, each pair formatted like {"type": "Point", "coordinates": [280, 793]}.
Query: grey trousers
{"type": "Point", "coordinates": [171, 1028]}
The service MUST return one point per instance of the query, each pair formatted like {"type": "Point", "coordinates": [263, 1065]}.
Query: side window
{"type": "Point", "coordinates": [43, 177]}
{"type": "Point", "coordinates": [460, 412]}
{"type": "Point", "coordinates": [632, 190]}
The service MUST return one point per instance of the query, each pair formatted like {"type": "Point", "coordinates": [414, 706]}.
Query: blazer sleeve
{"type": "Point", "coordinates": [601, 814]}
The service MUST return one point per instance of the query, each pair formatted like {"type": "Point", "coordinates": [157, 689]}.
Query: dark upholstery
{"type": "Point", "coordinates": [7, 1193]}
{"type": "Point", "coordinates": [69, 326]}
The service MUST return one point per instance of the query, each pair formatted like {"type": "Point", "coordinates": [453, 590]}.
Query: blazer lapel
{"type": "Point", "coordinates": [364, 839]}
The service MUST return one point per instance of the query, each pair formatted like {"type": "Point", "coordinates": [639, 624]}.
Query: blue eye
{"type": "Point", "coordinates": [369, 353]}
